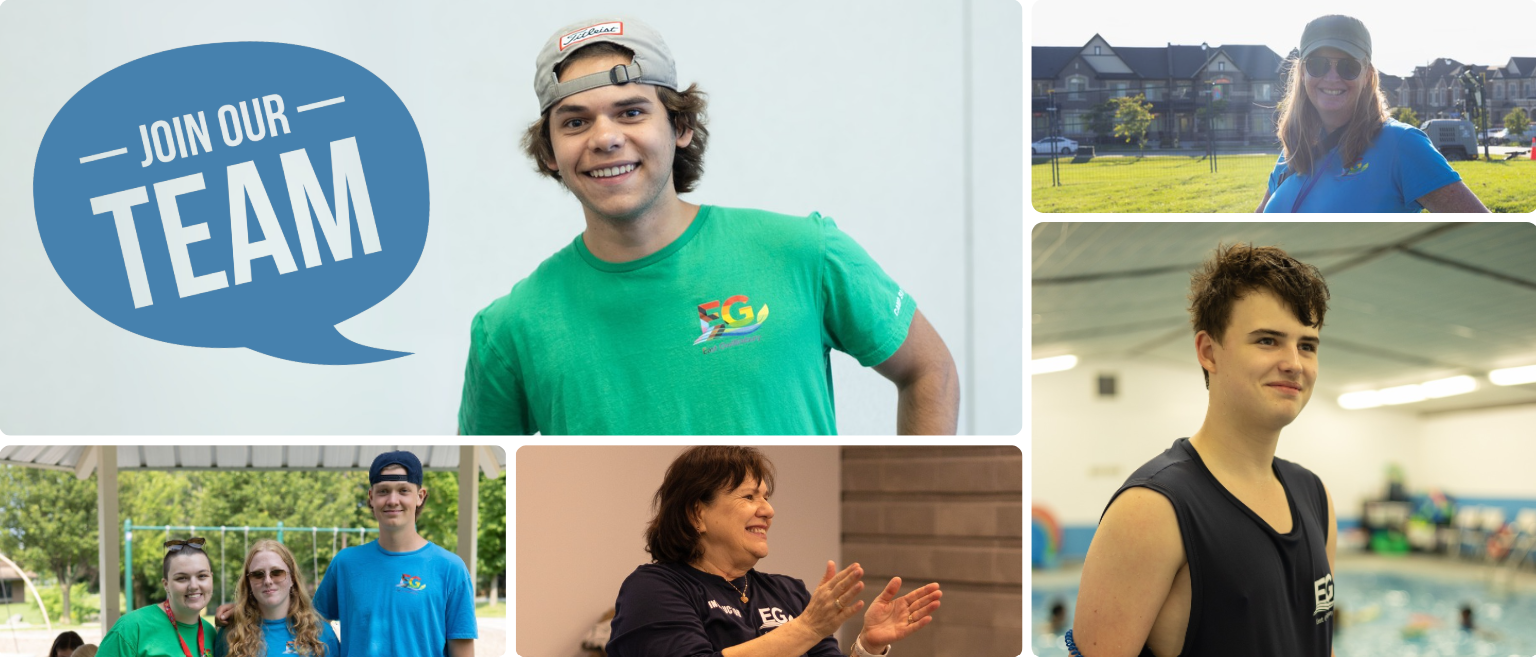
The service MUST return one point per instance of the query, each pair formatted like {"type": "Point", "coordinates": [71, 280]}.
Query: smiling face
{"type": "Point", "coordinates": [271, 593]}
{"type": "Point", "coordinates": [395, 503]}
{"type": "Point", "coordinates": [1334, 97]}
{"type": "Point", "coordinates": [1263, 370]}
{"type": "Point", "coordinates": [613, 145]}
{"type": "Point", "coordinates": [188, 581]}
{"type": "Point", "coordinates": [733, 529]}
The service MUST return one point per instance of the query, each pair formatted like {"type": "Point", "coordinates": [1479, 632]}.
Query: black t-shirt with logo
{"type": "Point", "coordinates": [1254, 591]}
{"type": "Point", "coordinates": [676, 610]}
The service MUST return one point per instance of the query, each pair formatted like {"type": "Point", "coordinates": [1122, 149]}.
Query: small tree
{"type": "Point", "coordinates": [1132, 117]}
{"type": "Point", "coordinates": [1406, 115]}
{"type": "Point", "coordinates": [1516, 122]}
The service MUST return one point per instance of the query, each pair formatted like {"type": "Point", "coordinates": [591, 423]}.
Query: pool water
{"type": "Point", "coordinates": [1385, 614]}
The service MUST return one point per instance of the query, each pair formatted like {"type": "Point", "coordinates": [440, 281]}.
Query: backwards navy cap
{"type": "Point", "coordinates": [401, 458]}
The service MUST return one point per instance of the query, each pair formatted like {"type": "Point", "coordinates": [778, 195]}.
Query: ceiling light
{"type": "Point", "coordinates": [1402, 394]}
{"type": "Point", "coordinates": [1456, 385]}
{"type": "Point", "coordinates": [1357, 400]}
{"type": "Point", "coordinates": [1048, 365]}
{"type": "Point", "coordinates": [1513, 376]}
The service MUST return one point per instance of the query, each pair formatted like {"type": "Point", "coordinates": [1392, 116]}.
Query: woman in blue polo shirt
{"type": "Point", "coordinates": [1340, 151]}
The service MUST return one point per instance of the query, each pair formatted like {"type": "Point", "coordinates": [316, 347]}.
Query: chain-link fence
{"type": "Point", "coordinates": [1190, 130]}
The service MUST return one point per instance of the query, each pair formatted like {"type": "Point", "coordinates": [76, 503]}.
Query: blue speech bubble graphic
{"type": "Point", "coordinates": [235, 195]}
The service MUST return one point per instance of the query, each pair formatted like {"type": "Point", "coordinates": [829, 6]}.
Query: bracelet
{"type": "Point", "coordinates": [859, 651]}
{"type": "Point", "coordinates": [1072, 646]}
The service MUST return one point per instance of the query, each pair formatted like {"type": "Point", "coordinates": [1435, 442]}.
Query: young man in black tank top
{"type": "Point", "coordinates": [1216, 546]}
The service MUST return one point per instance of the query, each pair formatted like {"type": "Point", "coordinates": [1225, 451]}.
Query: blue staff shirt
{"type": "Point", "coordinates": [277, 637]}
{"type": "Point", "coordinates": [398, 604]}
{"type": "Point", "coordinates": [1400, 166]}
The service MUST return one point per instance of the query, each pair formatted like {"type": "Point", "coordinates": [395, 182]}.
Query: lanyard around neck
{"type": "Point", "coordinates": [1330, 145]}
{"type": "Point", "coordinates": [175, 629]}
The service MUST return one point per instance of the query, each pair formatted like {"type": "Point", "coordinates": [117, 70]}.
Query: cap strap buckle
{"type": "Point", "coordinates": [619, 74]}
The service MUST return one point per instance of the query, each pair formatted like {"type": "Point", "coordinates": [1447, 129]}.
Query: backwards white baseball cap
{"type": "Point", "coordinates": [652, 63]}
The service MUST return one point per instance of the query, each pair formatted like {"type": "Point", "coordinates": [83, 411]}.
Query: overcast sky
{"type": "Point", "coordinates": [1404, 33]}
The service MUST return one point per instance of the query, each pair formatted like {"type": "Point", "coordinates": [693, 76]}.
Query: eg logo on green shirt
{"type": "Point", "coordinates": [714, 325]}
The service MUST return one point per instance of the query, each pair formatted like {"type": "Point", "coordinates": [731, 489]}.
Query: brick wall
{"type": "Point", "coordinates": [952, 515]}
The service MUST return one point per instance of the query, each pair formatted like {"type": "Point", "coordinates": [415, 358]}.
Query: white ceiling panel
{"type": "Point", "coordinates": [1409, 301]}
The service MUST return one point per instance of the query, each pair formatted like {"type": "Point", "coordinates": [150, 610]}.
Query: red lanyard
{"type": "Point", "coordinates": [177, 631]}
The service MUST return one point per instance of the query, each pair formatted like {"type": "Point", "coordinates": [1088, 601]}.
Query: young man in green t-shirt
{"type": "Point", "coordinates": [656, 319]}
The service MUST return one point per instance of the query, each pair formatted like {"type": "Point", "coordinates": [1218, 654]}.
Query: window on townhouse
{"type": "Point", "coordinates": [1221, 66]}
{"type": "Point", "coordinates": [1076, 84]}
{"type": "Point", "coordinates": [1261, 91]}
{"type": "Point", "coordinates": [1120, 88]}
{"type": "Point", "coordinates": [1498, 91]}
{"type": "Point", "coordinates": [1097, 50]}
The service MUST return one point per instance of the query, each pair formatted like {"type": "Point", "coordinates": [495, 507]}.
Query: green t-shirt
{"type": "Point", "coordinates": [726, 330]}
{"type": "Point", "coordinates": [146, 632]}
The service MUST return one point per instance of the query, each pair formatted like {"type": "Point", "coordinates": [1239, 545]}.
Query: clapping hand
{"type": "Point", "coordinates": [835, 600]}
{"type": "Point", "coordinates": [891, 619]}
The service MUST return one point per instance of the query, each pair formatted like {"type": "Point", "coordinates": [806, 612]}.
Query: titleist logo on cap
{"type": "Point", "coordinates": [600, 29]}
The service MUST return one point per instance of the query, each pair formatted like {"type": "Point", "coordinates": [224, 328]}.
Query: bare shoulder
{"type": "Point", "coordinates": [1130, 568]}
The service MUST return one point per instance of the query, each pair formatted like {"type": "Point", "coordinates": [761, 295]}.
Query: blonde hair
{"type": "Point", "coordinates": [245, 636]}
{"type": "Point", "coordinates": [1301, 125]}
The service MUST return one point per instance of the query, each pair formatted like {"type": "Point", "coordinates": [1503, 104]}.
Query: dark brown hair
{"type": "Point", "coordinates": [165, 565]}
{"type": "Point", "coordinates": [684, 110]}
{"type": "Point", "coordinates": [692, 481]}
{"type": "Point", "coordinates": [1301, 125]}
{"type": "Point", "coordinates": [68, 640]}
{"type": "Point", "coordinates": [1238, 270]}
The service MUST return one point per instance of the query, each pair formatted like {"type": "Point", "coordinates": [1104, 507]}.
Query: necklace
{"type": "Point", "coordinates": [742, 590]}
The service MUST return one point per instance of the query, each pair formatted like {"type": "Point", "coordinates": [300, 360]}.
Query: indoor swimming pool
{"type": "Point", "coordinates": [1403, 609]}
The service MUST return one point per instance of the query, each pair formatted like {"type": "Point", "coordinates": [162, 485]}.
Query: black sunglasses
{"type": "Point", "coordinates": [1348, 67]}
{"type": "Point", "coordinates": [175, 545]}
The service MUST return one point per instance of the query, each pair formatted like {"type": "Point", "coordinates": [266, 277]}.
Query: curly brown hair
{"type": "Point", "coordinates": [692, 481]}
{"type": "Point", "coordinates": [245, 636]}
{"type": "Point", "coordinates": [1237, 270]}
{"type": "Point", "coordinates": [685, 111]}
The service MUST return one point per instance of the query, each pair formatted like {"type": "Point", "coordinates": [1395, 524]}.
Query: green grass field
{"type": "Point", "coordinates": [1185, 184]}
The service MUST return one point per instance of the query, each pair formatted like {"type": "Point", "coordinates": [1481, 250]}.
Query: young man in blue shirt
{"type": "Point", "coordinates": [402, 594]}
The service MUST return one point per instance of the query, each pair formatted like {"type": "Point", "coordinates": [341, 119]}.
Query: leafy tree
{"type": "Point", "coordinates": [1516, 122]}
{"type": "Point", "coordinates": [1101, 118]}
{"type": "Point", "coordinates": [49, 521]}
{"type": "Point", "coordinates": [1405, 115]}
{"type": "Point", "coordinates": [1133, 116]}
{"type": "Point", "coordinates": [492, 546]}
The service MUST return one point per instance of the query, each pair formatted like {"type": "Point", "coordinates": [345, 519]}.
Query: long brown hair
{"type": "Point", "coordinates": [245, 636]}
{"type": "Point", "coordinates": [1301, 125]}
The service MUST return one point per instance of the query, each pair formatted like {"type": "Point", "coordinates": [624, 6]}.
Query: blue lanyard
{"type": "Point", "coordinates": [1317, 173]}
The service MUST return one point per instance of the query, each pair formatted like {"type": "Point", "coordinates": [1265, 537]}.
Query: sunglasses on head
{"type": "Point", "coordinates": [175, 545]}
{"type": "Point", "coordinates": [1349, 68]}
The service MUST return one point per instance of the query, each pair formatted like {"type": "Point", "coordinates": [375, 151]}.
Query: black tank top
{"type": "Point", "coordinates": [1254, 591]}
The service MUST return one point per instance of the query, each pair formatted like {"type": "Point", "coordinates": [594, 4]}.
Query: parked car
{"type": "Point", "coordinates": [1452, 137]}
{"type": "Point", "coordinates": [1493, 137]}
{"type": "Point", "coordinates": [1053, 145]}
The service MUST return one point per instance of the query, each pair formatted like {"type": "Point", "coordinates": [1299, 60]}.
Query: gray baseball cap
{"type": "Point", "coordinates": [1334, 31]}
{"type": "Point", "coordinates": [652, 63]}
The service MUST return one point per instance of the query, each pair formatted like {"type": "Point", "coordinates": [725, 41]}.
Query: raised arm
{"type": "Point", "coordinates": [1127, 574]}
